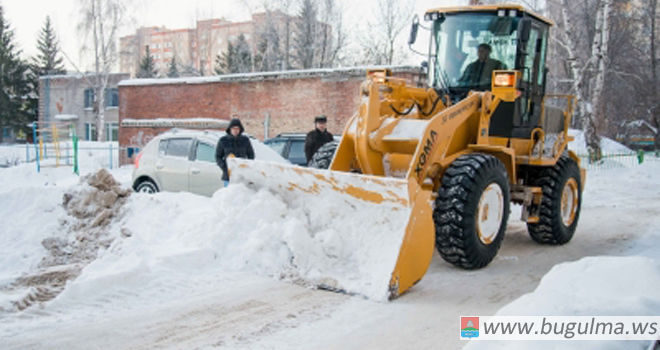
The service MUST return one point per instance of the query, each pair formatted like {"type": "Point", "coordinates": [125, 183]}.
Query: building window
{"type": "Point", "coordinates": [90, 132]}
{"type": "Point", "coordinates": [89, 98]}
{"type": "Point", "coordinates": [111, 131]}
{"type": "Point", "coordinates": [112, 97]}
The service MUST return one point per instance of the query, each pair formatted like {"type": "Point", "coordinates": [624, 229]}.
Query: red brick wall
{"type": "Point", "coordinates": [291, 102]}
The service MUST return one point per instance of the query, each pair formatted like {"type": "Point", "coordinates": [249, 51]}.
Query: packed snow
{"type": "Point", "coordinates": [603, 285]}
{"type": "Point", "coordinates": [607, 145]}
{"type": "Point", "coordinates": [85, 264]}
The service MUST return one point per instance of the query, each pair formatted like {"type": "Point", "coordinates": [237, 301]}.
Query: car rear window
{"type": "Point", "coordinates": [175, 147]}
{"type": "Point", "coordinates": [297, 149]}
{"type": "Point", "coordinates": [205, 153]}
{"type": "Point", "coordinates": [277, 146]}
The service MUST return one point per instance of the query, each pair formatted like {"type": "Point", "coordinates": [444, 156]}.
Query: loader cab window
{"type": "Point", "coordinates": [533, 76]}
{"type": "Point", "coordinates": [458, 45]}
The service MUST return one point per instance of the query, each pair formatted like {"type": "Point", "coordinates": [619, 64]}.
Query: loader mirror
{"type": "Point", "coordinates": [413, 30]}
{"type": "Point", "coordinates": [525, 29]}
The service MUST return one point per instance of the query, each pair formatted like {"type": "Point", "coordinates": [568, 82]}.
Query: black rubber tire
{"type": "Point", "coordinates": [323, 157]}
{"type": "Point", "coordinates": [146, 186]}
{"type": "Point", "coordinates": [551, 229]}
{"type": "Point", "coordinates": [456, 210]}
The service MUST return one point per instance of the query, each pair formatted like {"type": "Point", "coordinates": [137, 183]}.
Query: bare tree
{"type": "Point", "coordinates": [101, 19]}
{"type": "Point", "coordinates": [269, 55]}
{"type": "Point", "coordinates": [379, 47]}
{"type": "Point", "coordinates": [304, 47]}
{"type": "Point", "coordinates": [286, 37]}
{"type": "Point", "coordinates": [584, 38]}
{"type": "Point", "coordinates": [332, 38]}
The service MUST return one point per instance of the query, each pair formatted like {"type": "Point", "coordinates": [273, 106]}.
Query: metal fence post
{"type": "Point", "coordinates": [36, 147]}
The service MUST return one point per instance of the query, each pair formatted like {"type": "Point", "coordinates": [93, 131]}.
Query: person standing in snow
{"type": "Point", "coordinates": [317, 137]}
{"type": "Point", "coordinates": [234, 143]}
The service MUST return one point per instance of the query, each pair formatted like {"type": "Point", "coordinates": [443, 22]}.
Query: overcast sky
{"type": "Point", "coordinates": [26, 17]}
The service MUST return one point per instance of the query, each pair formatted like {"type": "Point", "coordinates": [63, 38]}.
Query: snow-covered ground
{"type": "Point", "coordinates": [85, 265]}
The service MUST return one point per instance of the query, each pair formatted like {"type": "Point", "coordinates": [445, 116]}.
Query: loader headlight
{"type": "Point", "coordinates": [504, 79]}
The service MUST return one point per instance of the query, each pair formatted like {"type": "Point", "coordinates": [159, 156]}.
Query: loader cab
{"type": "Point", "coordinates": [467, 44]}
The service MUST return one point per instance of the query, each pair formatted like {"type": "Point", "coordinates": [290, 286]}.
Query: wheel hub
{"type": "Point", "coordinates": [569, 202]}
{"type": "Point", "coordinates": [490, 212]}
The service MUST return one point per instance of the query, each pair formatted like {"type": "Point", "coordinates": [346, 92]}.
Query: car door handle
{"type": "Point", "coordinates": [195, 171]}
{"type": "Point", "coordinates": [159, 166]}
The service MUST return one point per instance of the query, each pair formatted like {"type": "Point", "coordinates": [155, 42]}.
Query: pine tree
{"type": "Point", "coordinates": [15, 107]}
{"type": "Point", "coordinates": [224, 63]}
{"type": "Point", "coordinates": [173, 71]}
{"type": "Point", "coordinates": [243, 55]}
{"type": "Point", "coordinates": [147, 68]}
{"type": "Point", "coordinates": [48, 60]}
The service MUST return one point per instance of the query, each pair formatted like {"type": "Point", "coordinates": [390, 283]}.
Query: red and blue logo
{"type": "Point", "coordinates": [469, 327]}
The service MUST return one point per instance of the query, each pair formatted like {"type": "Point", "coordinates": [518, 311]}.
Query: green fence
{"type": "Point", "coordinates": [619, 160]}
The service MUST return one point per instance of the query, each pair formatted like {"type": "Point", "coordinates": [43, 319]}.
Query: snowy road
{"type": "Point", "coordinates": [179, 308]}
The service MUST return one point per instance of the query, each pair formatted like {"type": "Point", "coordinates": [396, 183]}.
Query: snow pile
{"type": "Point", "coordinates": [91, 207]}
{"type": "Point", "coordinates": [604, 285]}
{"type": "Point", "coordinates": [318, 243]}
{"type": "Point", "coordinates": [607, 145]}
{"type": "Point", "coordinates": [65, 243]}
{"type": "Point", "coordinates": [346, 230]}
{"type": "Point", "coordinates": [27, 217]}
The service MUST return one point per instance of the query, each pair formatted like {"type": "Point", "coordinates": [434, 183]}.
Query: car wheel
{"type": "Point", "coordinates": [146, 186]}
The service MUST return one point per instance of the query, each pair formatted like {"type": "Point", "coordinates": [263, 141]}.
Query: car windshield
{"type": "Point", "coordinates": [469, 47]}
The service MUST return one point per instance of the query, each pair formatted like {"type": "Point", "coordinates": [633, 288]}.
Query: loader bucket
{"type": "Point", "coordinates": [376, 241]}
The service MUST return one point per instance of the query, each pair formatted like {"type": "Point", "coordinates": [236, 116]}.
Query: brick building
{"type": "Point", "coordinates": [288, 100]}
{"type": "Point", "coordinates": [72, 96]}
{"type": "Point", "coordinates": [196, 48]}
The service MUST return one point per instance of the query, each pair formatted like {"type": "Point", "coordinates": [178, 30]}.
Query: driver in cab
{"type": "Point", "coordinates": [479, 72]}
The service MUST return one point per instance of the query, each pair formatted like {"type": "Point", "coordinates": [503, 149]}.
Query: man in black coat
{"type": "Point", "coordinates": [233, 143]}
{"type": "Point", "coordinates": [317, 137]}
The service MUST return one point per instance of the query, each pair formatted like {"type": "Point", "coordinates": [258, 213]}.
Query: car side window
{"type": "Point", "coordinates": [205, 153]}
{"type": "Point", "coordinates": [162, 147]}
{"type": "Point", "coordinates": [178, 147]}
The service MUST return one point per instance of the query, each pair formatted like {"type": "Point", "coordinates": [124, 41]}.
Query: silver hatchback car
{"type": "Point", "coordinates": [184, 160]}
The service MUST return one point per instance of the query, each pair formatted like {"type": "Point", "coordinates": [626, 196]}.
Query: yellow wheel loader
{"type": "Point", "coordinates": [439, 166]}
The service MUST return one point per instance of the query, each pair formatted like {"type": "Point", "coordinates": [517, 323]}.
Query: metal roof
{"type": "Point", "coordinates": [488, 8]}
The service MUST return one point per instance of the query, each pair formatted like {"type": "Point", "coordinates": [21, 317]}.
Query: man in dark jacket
{"type": "Point", "coordinates": [479, 72]}
{"type": "Point", "coordinates": [317, 137]}
{"type": "Point", "coordinates": [233, 143]}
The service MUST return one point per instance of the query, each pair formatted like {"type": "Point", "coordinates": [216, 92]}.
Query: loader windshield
{"type": "Point", "coordinates": [468, 47]}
